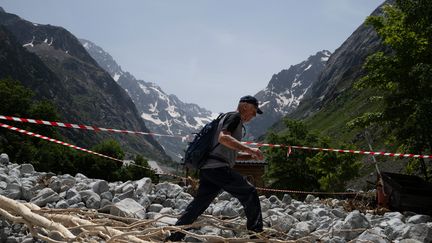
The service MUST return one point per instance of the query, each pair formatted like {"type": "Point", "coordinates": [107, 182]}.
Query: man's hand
{"type": "Point", "coordinates": [256, 153]}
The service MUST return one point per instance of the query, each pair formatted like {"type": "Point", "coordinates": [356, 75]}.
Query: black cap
{"type": "Point", "coordinates": [251, 100]}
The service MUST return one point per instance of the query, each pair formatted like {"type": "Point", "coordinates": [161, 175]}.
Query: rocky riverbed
{"type": "Point", "coordinates": [309, 219]}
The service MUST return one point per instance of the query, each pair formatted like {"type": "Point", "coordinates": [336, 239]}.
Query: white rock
{"type": "Point", "coordinates": [283, 224]}
{"type": "Point", "coordinates": [44, 196]}
{"type": "Point", "coordinates": [119, 188]}
{"type": "Point", "coordinates": [142, 187]}
{"type": "Point", "coordinates": [185, 196]}
{"type": "Point", "coordinates": [375, 235]}
{"type": "Point", "coordinates": [106, 195]}
{"type": "Point", "coordinates": [145, 201]}
{"type": "Point", "coordinates": [286, 199]}
{"type": "Point", "coordinates": [71, 193]}
{"type": "Point", "coordinates": [301, 229]}
{"type": "Point", "coordinates": [100, 186]}
{"type": "Point", "coordinates": [154, 208]}
{"type": "Point", "coordinates": [91, 199]}
{"type": "Point", "coordinates": [80, 176]}
{"type": "Point", "coordinates": [128, 208]}
{"type": "Point", "coordinates": [353, 225]}
{"type": "Point", "coordinates": [62, 204]}
{"type": "Point", "coordinates": [74, 200]}
{"type": "Point", "coordinates": [393, 227]}
{"type": "Point", "coordinates": [421, 232]}
{"type": "Point", "coordinates": [55, 184]}
{"type": "Point", "coordinates": [224, 196]}
{"type": "Point", "coordinates": [181, 204]}
{"type": "Point", "coordinates": [418, 219]}
{"type": "Point", "coordinates": [26, 169]}
{"type": "Point", "coordinates": [169, 211]}
{"type": "Point", "coordinates": [168, 189]}
{"type": "Point", "coordinates": [4, 159]}
{"type": "Point", "coordinates": [13, 190]}
{"type": "Point", "coordinates": [309, 198]}
{"type": "Point", "coordinates": [3, 185]}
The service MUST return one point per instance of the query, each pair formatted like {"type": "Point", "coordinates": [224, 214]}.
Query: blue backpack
{"type": "Point", "coordinates": [199, 149]}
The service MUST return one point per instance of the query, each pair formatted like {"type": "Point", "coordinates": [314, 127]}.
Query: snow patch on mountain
{"type": "Point", "coordinates": [163, 113]}
{"type": "Point", "coordinates": [285, 91]}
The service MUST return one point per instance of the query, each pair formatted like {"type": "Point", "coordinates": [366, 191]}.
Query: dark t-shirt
{"type": "Point", "coordinates": [222, 156]}
{"type": "Point", "coordinates": [231, 122]}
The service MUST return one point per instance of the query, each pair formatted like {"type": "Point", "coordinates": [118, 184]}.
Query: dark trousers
{"type": "Point", "coordinates": [212, 181]}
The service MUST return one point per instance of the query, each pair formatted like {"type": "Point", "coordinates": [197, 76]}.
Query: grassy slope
{"type": "Point", "coordinates": [332, 120]}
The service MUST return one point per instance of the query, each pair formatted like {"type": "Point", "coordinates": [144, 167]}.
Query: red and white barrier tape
{"type": "Point", "coordinates": [83, 127]}
{"type": "Point", "coordinates": [185, 138]}
{"type": "Point", "coordinates": [340, 150]}
{"type": "Point", "coordinates": [32, 134]}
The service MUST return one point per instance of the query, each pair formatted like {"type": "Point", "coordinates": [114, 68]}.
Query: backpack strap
{"type": "Point", "coordinates": [218, 118]}
{"type": "Point", "coordinates": [215, 157]}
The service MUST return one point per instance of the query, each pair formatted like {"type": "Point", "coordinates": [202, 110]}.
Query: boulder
{"type": "Point", "coordinates": [91, 199]}
{"type": "Point", "coordinates": [4, 159]}
{"type": "Point", "coordinates": [100, 186]}
{"type": "Point", "coordinates": [418, 219]}
{"type": "Point", "coordinates": [375, 235]}
{"type": "Point", "coordinates": [154, 208]}
{"type": "Point", "coordinates": [353, 225]}
{"type": "Point", "coordinates": [45, 196]}
{"type": "Point", "coordinates": [26, 169]}
{"type": "Point", "coordinates": [128, 208]}
{"type": "Point", "coordinates": [142, 187]}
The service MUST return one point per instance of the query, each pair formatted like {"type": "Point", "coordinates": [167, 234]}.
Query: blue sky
{"type": "Point", "coordinates": [204, 52]}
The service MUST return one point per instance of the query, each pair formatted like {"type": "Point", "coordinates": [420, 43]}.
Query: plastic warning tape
{"type": "Point", "coordinates": [32, 134]}
{"type": "Point", "coordinates": [83, 127]}
{"type": "Point", "coordinates": [400, 155]}
{"type": "Point", "coordinates": [185, 138]}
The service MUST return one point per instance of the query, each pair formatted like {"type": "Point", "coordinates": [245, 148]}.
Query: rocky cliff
{"type": "Point", "coordinates": [53, 63]}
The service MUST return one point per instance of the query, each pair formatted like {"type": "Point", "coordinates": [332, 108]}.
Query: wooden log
{"type": "Point", "coordinates": [72, 220]}
{"type": "Point", "coordinates": [20, 209]}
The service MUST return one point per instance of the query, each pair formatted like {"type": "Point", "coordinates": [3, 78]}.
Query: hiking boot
{"type": "Point", "coordinates": [174, 237]}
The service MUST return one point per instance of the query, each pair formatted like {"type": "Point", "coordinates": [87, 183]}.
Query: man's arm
{"type": "Point", "coordinates": [229, 141]}
{"type": "Point", "coordinates": [242, 156]}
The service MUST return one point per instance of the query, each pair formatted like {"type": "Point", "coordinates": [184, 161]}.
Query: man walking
{"type": "Point", "coordinates": [217, 174]}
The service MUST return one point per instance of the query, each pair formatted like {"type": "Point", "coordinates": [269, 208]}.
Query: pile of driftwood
{"type": "Point", "coordinates": [77, 225]}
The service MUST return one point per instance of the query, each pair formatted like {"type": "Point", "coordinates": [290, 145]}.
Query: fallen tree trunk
{"type": "Point", "coordinates": [55, 226]}
{"type": "Point", "coordinates": [18, 209]}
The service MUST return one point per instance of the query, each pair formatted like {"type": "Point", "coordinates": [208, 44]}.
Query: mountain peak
{"type": "Point", "coordinates": [105, 60]}
{"type": "Point", "coordinates": [285, 91]}
{"type": "Point", "coordinates": [162, 113]}
{"type": "Point", "coordinates": [51, 62]}
{"type": "Point", "coordinates": [2, 10]}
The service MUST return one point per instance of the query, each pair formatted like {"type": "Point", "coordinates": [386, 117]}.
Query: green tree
{"type": "Point", "coordinates": [333, 170]}
{"type": "Point", "coordinates": [292, 171]}
{"type": "Point", "coordinates": [55, 158]}
{"type": "Point", "coordinates": [303, 169]}
{"type": "Point", "coordinates": [98, 167]}
{"type": "Point", "coordinates": [137, 171]}
{"type": "Point", "coordinates": [18, 101]}
{"type": "Point", "coordinates": [15, 99]}
{"type": "Point", "coordinates": [44, 110]}
{"type": "Point", "coordinates": [403, 74]}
